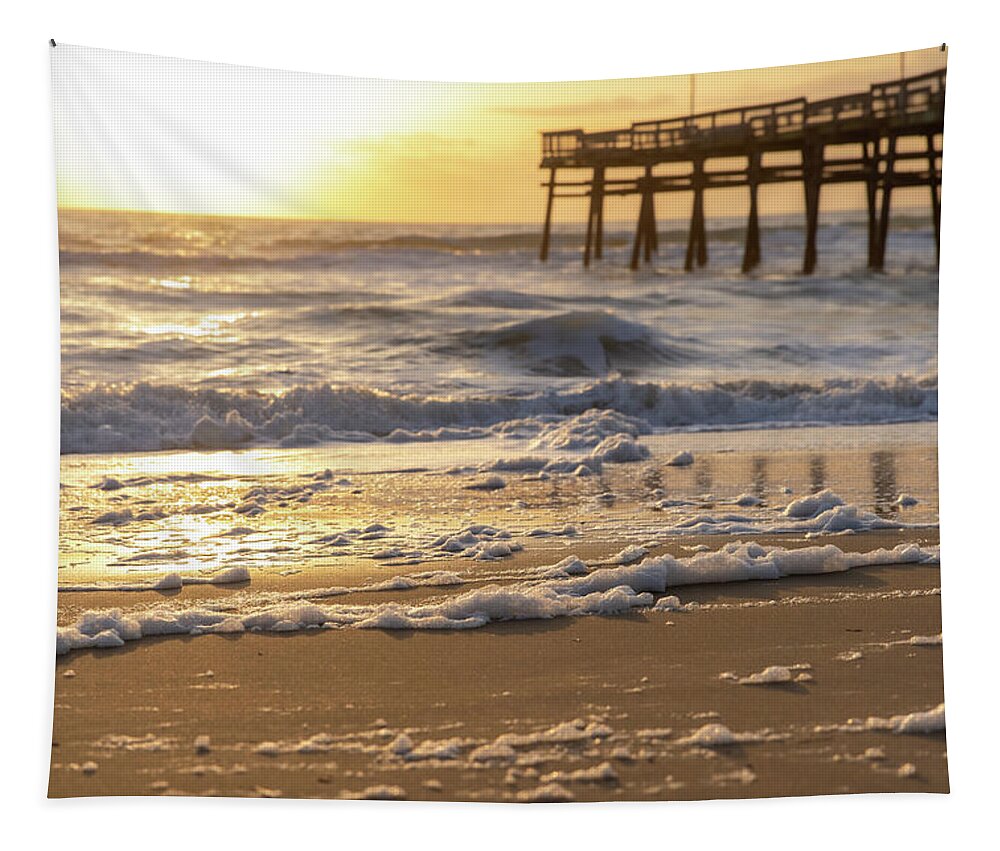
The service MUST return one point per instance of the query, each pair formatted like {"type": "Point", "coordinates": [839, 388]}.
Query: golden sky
{"type": "Point", "coordinates": [167, 135]}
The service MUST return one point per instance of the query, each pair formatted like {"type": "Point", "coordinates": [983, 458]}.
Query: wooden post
{"type": "Point", "coordinates": [653, 244]}
{"type": "Point", "coordinates": [883, 222]}
{"type": "Point", "coordinates": [599, 221]}
{"type": "Point", "coordinates": [751, 250]}
{"type": "Point", "coordinates": [702, 236]}
{"type": "Point", "coordinates": [935, 185]}
{"type": "Point", "coordinates": [689, 254]}
{"type": "Point", "coordinates": [645, 230]}
{"type": "Point", "coordinates": [650, 226]}
{"type": "Point", "coordinates": [640, 228]}
{"type": "Point", "coordinates": [870, 160]}
{"type": "Point", "coordinates": [812, 176]}
{"type": "Point", "coordinates": [590, 229]}
{"type": "Point", "coordinates": [697, 247]}
{"type": "Point", "coordinates": [543, 254]}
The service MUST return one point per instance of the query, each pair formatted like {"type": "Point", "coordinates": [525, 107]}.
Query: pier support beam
{"type": "Point", "coordinates": [870, 165]}
{"type": "Point", "coordinates": [812, 180]}
{"type": "Point", "coordinates": [697, 247]}
{"type": "Point", "coordinates": [645, 231]}
{"type": "Point", "coordinates": [653, 241]}
{"type": "Point", "coordinates": [543, 253]}
{"type": "Point", "coordinates": [935, 185]}
{"type": "Point", "coordinates": [887, 180]}
{"type": "Point", "coordinates": [751, 251]}
{"type": "Point", "coordinates": [599, 222]}
{"type": "Point", "coordinates": [595, 218]}
{"type": "Point", "coordinates": [640, 233]}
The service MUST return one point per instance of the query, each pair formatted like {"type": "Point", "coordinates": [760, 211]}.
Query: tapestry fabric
{"type": "Point", "coordinates": [569, 441]}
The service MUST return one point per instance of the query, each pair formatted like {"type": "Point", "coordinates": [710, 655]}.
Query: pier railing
{"type": "Point", "coordinates": [883, 101]}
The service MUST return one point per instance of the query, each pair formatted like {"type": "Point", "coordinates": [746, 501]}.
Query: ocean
{"type": "Point", "coordinates": [186, 332]}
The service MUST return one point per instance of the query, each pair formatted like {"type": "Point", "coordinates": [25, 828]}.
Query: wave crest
{"type": "Point", "coordinates": [147, 417]}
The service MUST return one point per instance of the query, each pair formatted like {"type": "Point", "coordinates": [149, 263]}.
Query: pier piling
{"type": "Point", "coordinates": [543, 254]}
{"type": "Point", "coordinates": [888, 179]}
{"type": "Point", "coordinates": [751, 249]}
{"type": "Point", "coordinates": [812, 176]}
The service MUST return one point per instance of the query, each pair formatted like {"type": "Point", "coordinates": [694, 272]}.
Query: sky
{"type": "Point", "coordinates": [138, 132]}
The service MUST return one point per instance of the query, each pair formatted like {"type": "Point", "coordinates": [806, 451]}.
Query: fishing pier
{"type": "Point", "coordinates": [887, 137]}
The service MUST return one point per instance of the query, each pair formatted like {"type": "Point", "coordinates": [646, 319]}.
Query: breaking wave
{"type": "Point", "coordinates": [148, 417]}
{"type": "Point", "coordinates": [575, 344]}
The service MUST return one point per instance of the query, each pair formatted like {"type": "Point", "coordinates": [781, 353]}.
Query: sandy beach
{"type": "Point", "coordinates": [391, 509]}
{"type": "Point", "coordinates": [657, 700]}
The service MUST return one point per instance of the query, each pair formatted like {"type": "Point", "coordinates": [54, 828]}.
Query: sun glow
{"type": "Point", "coordinates": [196, 137]}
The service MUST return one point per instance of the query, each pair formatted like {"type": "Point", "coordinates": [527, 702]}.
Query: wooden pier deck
{"type": "Point", "coordinates": [887, 137]}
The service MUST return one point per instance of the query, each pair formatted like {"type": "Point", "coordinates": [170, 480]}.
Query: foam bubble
{"type": "Point", "coordinates": [771, 675]}
{"type": "Point", "coordinates": [681, 459]}
{"type": "Point", "coordinates": [168, 582]}
{"type": "Point", "coordinates": [807, 507]}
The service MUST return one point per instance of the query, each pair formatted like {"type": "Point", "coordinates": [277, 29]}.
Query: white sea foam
{"type": "Point", "coordinates": [601, 431]}
{"type": "Point", "coordinates": [568, 531]}
{"type": "Point", "coordinates": [548, 793]}
{"type": "Point", "coordinates": [604, 591]}
{"type": "Point", "coordinates": [807, 507]}
{"type": "Point", "coordinates": [620, 448]}
{"type": "Point", "coordinates": [630, 555]}
{"type": "Point", "coordinates": [922, 722]}
{"type": "Point", "coordinates": [566, 732]}
{"type": "Point", "coordinates": [125, 742]}
{"type": "Point", "coordinates": [681, 459]}
{"type": "Point", "coordinates": [720, 736]}
{"type": "Point", "coordinates": [669, 604]}
{"type": "Point", "coordinates": [479, 541]}
{"type": "Point", "coordinates": [169, 582]}
{"type": "Point", "coordinates": [569, 566]}
{"type": "Point", "coordinates": [493, 752]}
{"type": "Point", "coordinates": [823, 513]}
{"type": "Point", "coordinates": [145, 417]}
{"type": "Point", "coordinates": [771, 675]}
{"type": "Point", "coordinates": [602, 773]}
{"type": "Point", "coordinates": [376, 793]}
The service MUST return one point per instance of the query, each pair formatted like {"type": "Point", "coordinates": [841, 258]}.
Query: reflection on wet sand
{"type": "Point", "coordinates": [884, 485]}
{"type": "Point", "coordinates": [759, 476]}
{"type": "Point", "coordinates": [652, 479]}
{"type": "Point", "coordinates": [703, 475]}
{"type": "Point", "coordinates": [817, 473]}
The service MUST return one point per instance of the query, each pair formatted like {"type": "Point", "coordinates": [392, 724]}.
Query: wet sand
{"type": "Point", "coordinates": [573, 708]}
{"type": "Point", "coordinates": [630, 674]}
